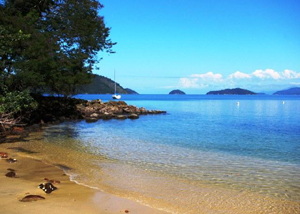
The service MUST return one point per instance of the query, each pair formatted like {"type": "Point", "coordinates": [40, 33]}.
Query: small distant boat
{"type": "Point", "coordinates": [116, 96]}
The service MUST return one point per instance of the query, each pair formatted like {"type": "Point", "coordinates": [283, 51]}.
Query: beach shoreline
{"type": "Point", "coordinates": [69, 197]}
{"type": "Point", "coordinates": [72, 197]}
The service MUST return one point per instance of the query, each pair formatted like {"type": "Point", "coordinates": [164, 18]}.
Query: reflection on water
{"type": "Point", "coordinates": [202, 154]}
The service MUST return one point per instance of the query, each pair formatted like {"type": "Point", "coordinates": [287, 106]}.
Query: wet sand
{"type": "Point", "coordinates": [68, 198]}
{"type": "Point", "coordinates": [74, 198]}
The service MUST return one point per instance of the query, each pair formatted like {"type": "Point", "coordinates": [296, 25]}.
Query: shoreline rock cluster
{"type": "Point", "coordinates": [54, 110]}
{"type": "Point", "coordinates": [94, 110]}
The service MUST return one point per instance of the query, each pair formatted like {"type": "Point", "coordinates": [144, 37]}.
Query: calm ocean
{"type": "Point", "coordinates": [202, 141]}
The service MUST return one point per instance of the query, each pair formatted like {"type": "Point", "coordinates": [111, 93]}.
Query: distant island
{"type": "Point", "coordinates": [177, 91]}
{"type": "Point", "coordinates": [235, 91]}
{"type": "Point", "coordinates": [290, 91]}
{"type": "Point", "coordinates": [103, 85]}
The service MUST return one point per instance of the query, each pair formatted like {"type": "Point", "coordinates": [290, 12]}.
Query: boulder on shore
{"type": "Point", "coordinates": [93, 110]}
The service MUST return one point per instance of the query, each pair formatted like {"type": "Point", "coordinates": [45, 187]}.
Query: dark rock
{"type": "Point", "coordinates": [30, 198]}
{"type": "Point", "coordinates": [133, 116]}
{"type": "Point", "coordinates": [11, 160]}
{"type": "Point", "coordinates": [98, 101]}
{"type": "Point", "coordinates": [11, 174]}
{"type": "Point", "coordinates": [91, 120]}
{"type": "Point", "coordinates": [3, 155]}
{"type": "Point", "coordinates": [47, 187]}
{"type": "Point", "coordinates": [107, 116]}
{"type": "Point", "coordinates": [121, 117]}
{"type": "Point", "coordinates": [94, 115]}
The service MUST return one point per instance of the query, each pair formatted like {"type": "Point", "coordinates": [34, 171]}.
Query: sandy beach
{"type": "Point", "coordinates": [68, 198]}
{"type": "Point", "coordinates": [71, 197]}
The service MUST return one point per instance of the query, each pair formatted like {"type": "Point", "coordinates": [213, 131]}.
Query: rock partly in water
{"type": "Point", "coordinates": [94, 110]}
{"type": "Point", "coordinates": [121, 117]}
{"type": "Point", "coordinates": [91, 120]}
{"type": "Point", "coordinates": [133, 116]}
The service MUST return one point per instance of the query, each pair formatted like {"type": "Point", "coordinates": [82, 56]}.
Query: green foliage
{"type": "Point", "coordinates": [50, 44]}
{"type": "Point", "coordinates": [17, 102]}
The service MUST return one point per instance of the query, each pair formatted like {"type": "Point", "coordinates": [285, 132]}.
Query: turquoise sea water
{"type": "Point", "coordinates": [253, 146]}
{"type": "Point", "coordinates": [259, 127]}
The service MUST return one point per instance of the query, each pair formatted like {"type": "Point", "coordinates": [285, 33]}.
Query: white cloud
{"type": "Point", "coordinates": [208, 76]}
{"type": "Point", "coordinates": [239, 79]}
{"type": "Point", "coordinates": [239, 75]}
{"type": "Point", "coordinates": [266, 74]}
{"type": "Point", "coordinates": [188, 83]}
{"type": "Point", "coordinates": [289, 74]}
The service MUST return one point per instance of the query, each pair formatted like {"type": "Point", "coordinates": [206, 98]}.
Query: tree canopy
{"type": "Point", "coordinates": [50, 44]}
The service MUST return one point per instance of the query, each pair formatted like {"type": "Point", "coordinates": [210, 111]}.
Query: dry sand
{"type": "Point", "coordinates": [68, 198]}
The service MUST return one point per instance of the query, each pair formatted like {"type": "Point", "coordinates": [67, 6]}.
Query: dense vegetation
{"type": "Point", "coordinates": [47, 45]}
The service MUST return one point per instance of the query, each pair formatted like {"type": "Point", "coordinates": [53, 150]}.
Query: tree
{"type": "Point", "coordinates": [52, 43]}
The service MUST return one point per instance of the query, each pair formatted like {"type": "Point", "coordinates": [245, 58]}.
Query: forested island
{"type": "Point", "coordinates": [235, 91]}
{"type": "Point", "coordinates": [177, 92]}
{"type": "Point", "coordinates": [290, 91]}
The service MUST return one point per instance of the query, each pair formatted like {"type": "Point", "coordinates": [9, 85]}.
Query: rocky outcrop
{"type": "Point", "coordinates": [54, 110]}
{"type": "Point", "coordinates": [96, 109]}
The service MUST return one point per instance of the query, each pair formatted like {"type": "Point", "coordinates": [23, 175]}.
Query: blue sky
{"type": "Point", "coordinates": [198, 46]}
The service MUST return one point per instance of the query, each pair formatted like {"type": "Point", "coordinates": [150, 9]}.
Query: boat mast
{"type": "Point", "coordinates": [115, 82]}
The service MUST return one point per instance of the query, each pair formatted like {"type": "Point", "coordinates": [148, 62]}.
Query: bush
{"type": "Point", "coordinates": [16, 102]}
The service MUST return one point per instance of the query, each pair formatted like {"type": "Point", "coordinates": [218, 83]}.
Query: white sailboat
{"type": "Point", "coordinates": [116, 96]}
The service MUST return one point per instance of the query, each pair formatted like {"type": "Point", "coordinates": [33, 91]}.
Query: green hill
{"type": "Point", "coordinates": [101, 85]}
